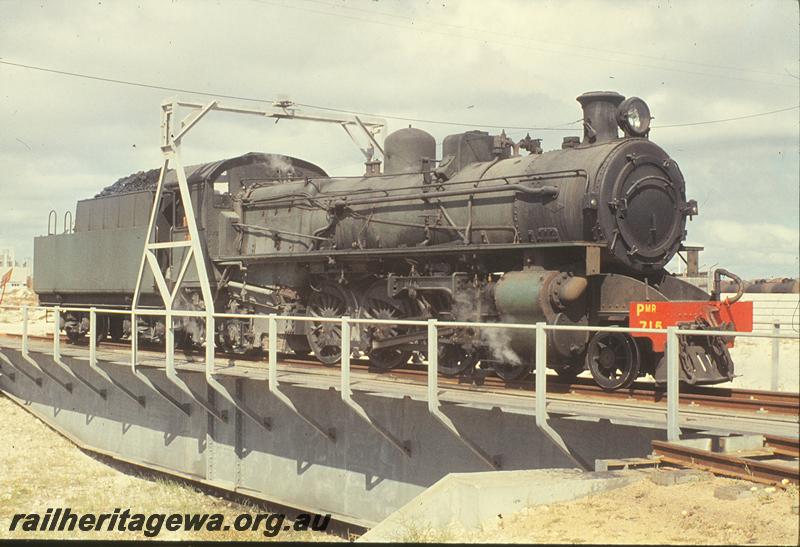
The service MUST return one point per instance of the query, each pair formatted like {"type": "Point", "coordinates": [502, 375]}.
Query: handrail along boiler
{"type": "Point", "coordinates": [576, 236]}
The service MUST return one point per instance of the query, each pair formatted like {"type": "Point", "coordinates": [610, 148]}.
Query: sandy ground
{"type": "Point", "coordinates": [39, 324]}
{"type": "Point", "coordinates": [11, 317]}
{"type": "Point", "coordinates": [39, 469]}
{"type": "Point", "coordinates": [644, 512]}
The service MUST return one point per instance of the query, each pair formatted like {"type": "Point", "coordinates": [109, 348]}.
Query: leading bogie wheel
{"type": "Point", "coordinates": [613, 359]}
{"type": "Point", "coordinates": [454, 359]}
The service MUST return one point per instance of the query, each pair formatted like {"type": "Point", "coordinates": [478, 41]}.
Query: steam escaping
{"type": "Point", "coordinates": [193, 329]}
{"type": "Point", "coordinates": [499, 343]}
{"type": "Point", "coordinates": [283, 167]}
{"type": "Point", "coordinates": [465, 307]}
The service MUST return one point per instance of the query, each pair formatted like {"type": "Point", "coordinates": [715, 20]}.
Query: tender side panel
{"type": "Point", "coordinates": [89, 262]}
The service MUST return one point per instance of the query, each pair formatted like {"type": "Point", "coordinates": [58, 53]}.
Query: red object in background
{"type": "Point", "coordinates": [3, 282]}
{"type": "Point", "coordinates": [660, 315]}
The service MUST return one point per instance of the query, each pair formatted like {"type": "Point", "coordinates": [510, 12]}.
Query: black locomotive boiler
{"type": "Point", "coordinates": [492, 231]}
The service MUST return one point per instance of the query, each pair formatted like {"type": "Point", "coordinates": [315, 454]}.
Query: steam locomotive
{"type": "Point", "coordinates": [576, 236]}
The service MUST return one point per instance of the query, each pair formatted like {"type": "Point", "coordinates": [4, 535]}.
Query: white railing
{"type": "Point", "coordinates": [538, 331]}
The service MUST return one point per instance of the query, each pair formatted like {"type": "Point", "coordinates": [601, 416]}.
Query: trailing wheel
{"type": "Point", "coordinates": [325, 338]}
{"type": "Point", "coordinates": [613, 359]}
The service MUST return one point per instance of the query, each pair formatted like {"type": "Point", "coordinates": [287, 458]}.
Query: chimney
{"type": "Point", "coordinates": [600, 115]}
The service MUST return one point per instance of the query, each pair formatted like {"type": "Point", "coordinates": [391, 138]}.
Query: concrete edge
{"type": "Point", "coordinates": [469, 500]}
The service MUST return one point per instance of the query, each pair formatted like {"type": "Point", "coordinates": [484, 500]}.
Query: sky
{"type": "Point", "coordinates": [509, 63]}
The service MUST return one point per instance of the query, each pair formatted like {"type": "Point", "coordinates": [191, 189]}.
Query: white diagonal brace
{"type": "Point", "coordinates": [163, 290]}
{"type": "Point", "coordinates": [194, 234]}
{"type": "Point", "coordinates": [148, 237]}
{"type": "Point", "coordinates": [195, 117]}
{"type": "Point", "coordinates": [185, 266]}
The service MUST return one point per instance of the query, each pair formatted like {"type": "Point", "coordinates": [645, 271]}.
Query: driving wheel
{"type": "Point", "coordinates": [330, 300]}
{"type": "Point", "coordinates": [377, 304]}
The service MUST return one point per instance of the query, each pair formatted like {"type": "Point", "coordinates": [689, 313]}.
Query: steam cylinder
{"type": "Point", "coordinates": [518, 297]}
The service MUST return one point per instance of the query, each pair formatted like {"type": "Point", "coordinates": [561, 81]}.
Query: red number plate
{"type": "Point", "coordinates": [660, 315]}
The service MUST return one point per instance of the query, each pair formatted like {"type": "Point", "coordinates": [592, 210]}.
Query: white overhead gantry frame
{"type": "Point", "coordinates": [172, 135]}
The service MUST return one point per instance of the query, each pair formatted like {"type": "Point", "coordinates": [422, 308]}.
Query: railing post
{"type": "Point", "coordinates": [93, 360]}
{"type": "Point", "coordinates": [134, 342]}
{"type": "Point", "coordinates": [345, 385]}
{"type": "Point", "coordinates": [433, 366]}
{"type": "Point", "coordinates": [65, 367]}
{"type": "Point", "coordinates": [272, 351]}
{"type": "Point", "coordinates": [26, 355]}
{"type": "Point", "coordinates": [672, 349]}
{"type": "Point", "coordinates": [542, 419]}
{"type": "Point", "coordinates": [433, 397]}
{"type": "Point", "coordinates": [210, 331]}
{"type": "Point", "coordinates": [37, 381]}
{"type": "Point", "coordinates": [56, 333]}
{"type": "Point", "coordinates": [92, 337]}
{"type": "Point", "coordinates": [541, 374]}
{"type": "Point", "coordinates": [169, 342]}
{"type": "Point", "coordinates": [216, 385]}
{"type": "Point", "coordinates": [776, 355]}
{"type": "Point", "coordinates": [402, 446]}
{"type": "Point", "coordinates": [24, 330]}
{"type": "Point", "coordinates": [274, 386]}
{"type": "Point", "coordinates": [172, 372]}
{"type": "Point", "coordinates": [185, 408]}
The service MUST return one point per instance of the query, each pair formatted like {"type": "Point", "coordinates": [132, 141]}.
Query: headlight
{"type": "Point", "coordinates": [633, 117]}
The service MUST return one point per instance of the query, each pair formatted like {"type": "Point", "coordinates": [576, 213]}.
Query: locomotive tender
{"type": "Point", "coordinates": [576, 236]}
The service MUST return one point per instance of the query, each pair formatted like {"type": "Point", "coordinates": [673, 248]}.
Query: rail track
{"type": "Point", "coordinates": [769, 460]}
{"type": "Point", "coordinates": [698, 397]}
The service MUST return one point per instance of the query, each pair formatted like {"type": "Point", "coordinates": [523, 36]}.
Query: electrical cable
{"type": "Point", "coordinates": [359, 113]}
